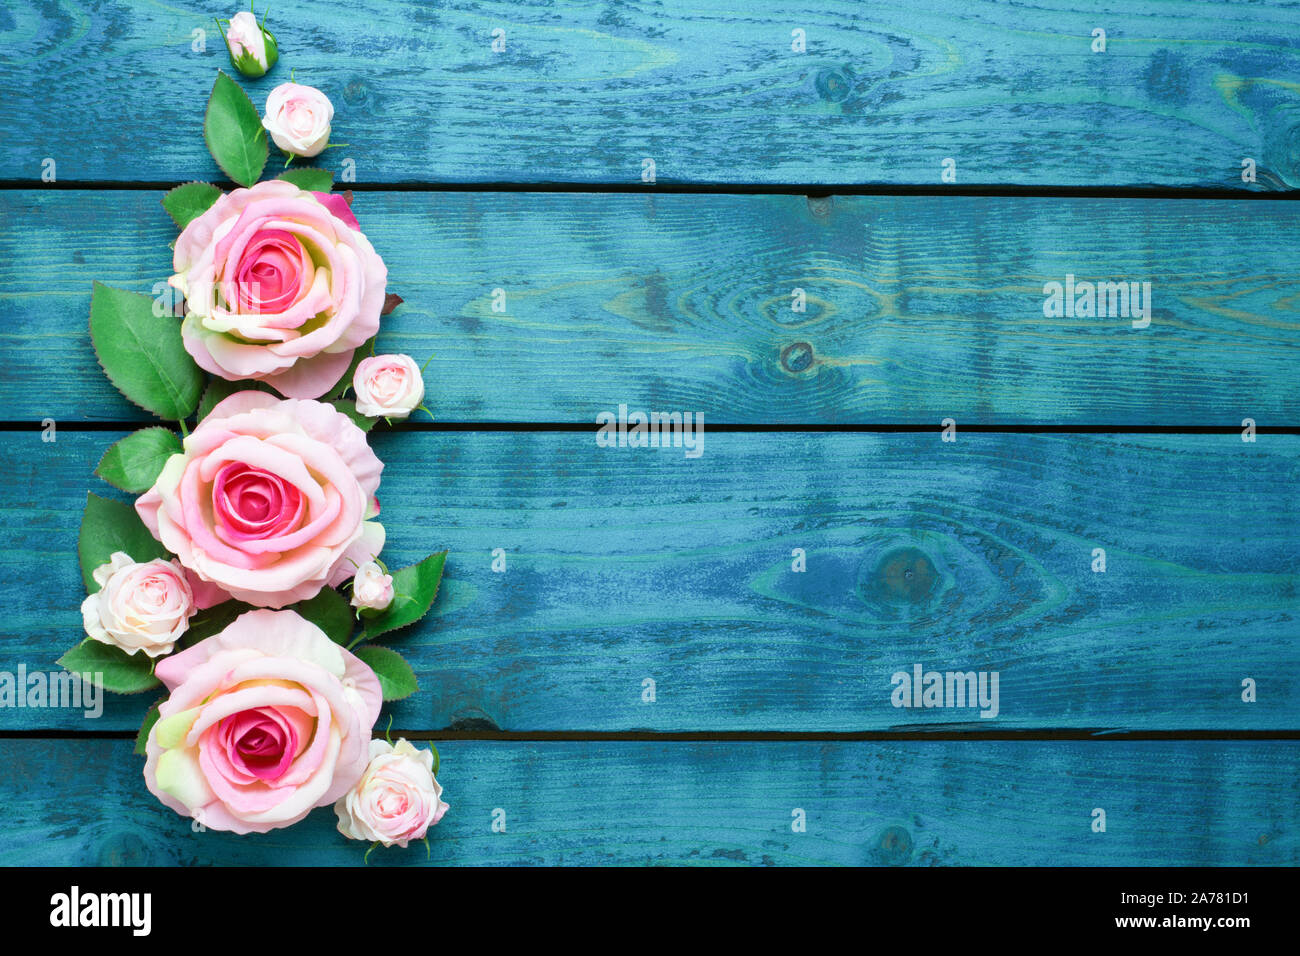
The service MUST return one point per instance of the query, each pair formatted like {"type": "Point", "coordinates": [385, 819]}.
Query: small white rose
{"type": "Point", "coordinates": [388, 386]}
{"type": "Point", "coordinates": [252, 47]}
{"type": "Point", "coordinates": [139, 606]}
{"type": "Point", "coordinates": [298, 118]}
{"type": "Point", "coordinates": [372, 589]}
{"type": "Point", "coordinates": [396, 800]}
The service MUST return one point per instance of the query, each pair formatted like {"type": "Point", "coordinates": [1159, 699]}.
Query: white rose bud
{"type": "Point", "coordinates": [388, 386]}
{"type": "Point", "coordinates": [252, 47]}
{"type": "Point", "coordinates": [139, 607]}
{"type": "Point", "coordinates": [298, 118]}
{"type": "Point", "coordinates": [396, 800]}
{"type": "Point", "coordinates": [372, 589]}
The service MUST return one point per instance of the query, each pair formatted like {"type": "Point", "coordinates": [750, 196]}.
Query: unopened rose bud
{"type": "Point", "coordinates": [252, 46]}
{"type": "Point", "coordinates": [372, 589]}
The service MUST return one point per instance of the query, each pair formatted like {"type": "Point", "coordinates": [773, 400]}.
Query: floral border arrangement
{"type": "Point", "coordinates": [246, 579]}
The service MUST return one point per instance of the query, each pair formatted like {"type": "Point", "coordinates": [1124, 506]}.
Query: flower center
{"type": "Point", "coordinates": [272, 274]}
{"type": "Point", "coordinates": [253, 504]}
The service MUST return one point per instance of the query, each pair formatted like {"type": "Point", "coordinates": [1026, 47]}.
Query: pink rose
{"type": "Point", "coordinates": [268, 499]}
{"type": "Point", "coordinates": [280, 286]}
{"type": "Point", "coordinates": [264, 721]}
{"type": "Point", "coordinates": [298, 118]}
{"type": "Point", "coordinates": [388, 385]}
{"type": "Point", "coordinates": [397, 798]}
{"type": "Point", "coordinates": [139, 606]}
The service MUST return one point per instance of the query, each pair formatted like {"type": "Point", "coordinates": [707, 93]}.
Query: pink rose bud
{"type": "Point", "coordinates": [388, 386]}
{"type": "Point", "coordinates": [372, 589]}
{"type": "Point", "coordinates": [139, 607]}
{"type": "Point", "coordinates": [252, 47]}
{"type": "Point", "coordinates": [298, 118]}
{"type": "Point", "coordinates": [396, 800]}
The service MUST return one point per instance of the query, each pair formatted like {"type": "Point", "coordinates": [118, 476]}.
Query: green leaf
{"type": "Point", "coordinates": [109, 525]}
{"type": "Point", "coordinates": [234, 132]}
{"type": "Point", "coordinates": [330, 611]}
{"type": "Point", "coordinates": [142, 353]}
{"type": "Point", "coordinates": [212, 620]}
{"type": "Point", "coordinates": [344, 383]}
{"type": "Point", "coordinates": [133, 464]}
{"type": "Point", "coordinates": [414, 588]}
{"type": "Point", "coordinates": [219, 390]}
{"type": "Point", "coordinates": [349, 408]}
{"type": "Point", "coordinates": [151, 717]}
{"type": "Point", "coordinates": [186, 203]}
{"type": "Point", "coordinates": [309, 178]}
{"type": "Point", "coordinates": [396, 679]}
{"type": "Point", "coordinates": [117, 671]}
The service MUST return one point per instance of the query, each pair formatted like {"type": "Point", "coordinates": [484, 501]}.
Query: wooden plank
{"type": "Point", "coordinates": [623, 565]}
{"type": "Point", "coordinates": [710, 91]}
{"type": "Point", "coordinates": [720, 803]}
{"type": "Point", "coordinates": [918, 308]}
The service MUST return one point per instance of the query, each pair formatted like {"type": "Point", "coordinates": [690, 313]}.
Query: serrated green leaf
{"type": "Point", "coordinates": [111, 667]}
{"type": "Point", "coordinates": [234, 133]}
{"type": "Point", "coordinates": [330, 611]}
{"type": "Point", "coordinates": [212, 620]}
{"type": "Point", "coordinates": [349, 408]}
{"type": "Point", "coordinates": [343, 384]}
{"type": "Point", "coordinates": [133, 464]}
{"type": "Point", "coordinates": [186, 203]}
{"type": "Point", "coordinates": [396, 679]}
{"type": "Point", "coordinates": [151, 717]}
{"type": "Point", "coordinates": [414, 589]}
{"type": "Point", "coordinates": [309, 178]}
{"type": "Point", "coordinates": [219, 389]}
{"type": "Point", "coordinates": [107, 526]}
{"type": "Point", "coordinates": [142, 353]}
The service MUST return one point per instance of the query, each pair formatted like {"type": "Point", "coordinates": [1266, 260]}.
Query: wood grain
{"type": "Point", "coordinates": [720, 804]}
{"type": "Point", "coordinates": [918, 308]}
{"type": "Point", "coordinates": [625, 564]}
{"type": "Point", "coordinates": [711, 91]}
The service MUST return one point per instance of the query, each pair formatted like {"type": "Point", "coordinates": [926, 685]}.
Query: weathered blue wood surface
{"type": "Point", "coordinates": [711, 90]}
{"type": "Point", "coordinates": [624, 564]}
{"type": "Point", "coordinates": [918, 308]}
{"type": "Point", "coordinates": [721, 803]}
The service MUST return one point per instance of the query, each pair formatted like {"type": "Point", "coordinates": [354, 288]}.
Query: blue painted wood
{"type": "Point", "coordinates": [626, 564]}
{"type": "Point", "coordinates": [720, 804]}
{"type": "Point", "coordinates": [711, 91]}
{"type": "Point", "coordinates": [918, 308]}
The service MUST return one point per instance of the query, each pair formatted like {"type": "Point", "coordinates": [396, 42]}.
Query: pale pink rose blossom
{"type": "Point", "coordinates": [397, 798]}
{"type": "Point", "coordinates": [139, 606]}
{"type": "Point", "coordinates": [388, 386]}
{"type": "Point", "coordinates": [298, 118]}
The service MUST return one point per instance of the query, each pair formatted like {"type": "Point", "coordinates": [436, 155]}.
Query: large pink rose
{"type": "Point", "coordinates": [265, 721]}
{"type": "Point", "coordinates": [268, 500]}
{"type": "Point", "coordinates": [280, 286]}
